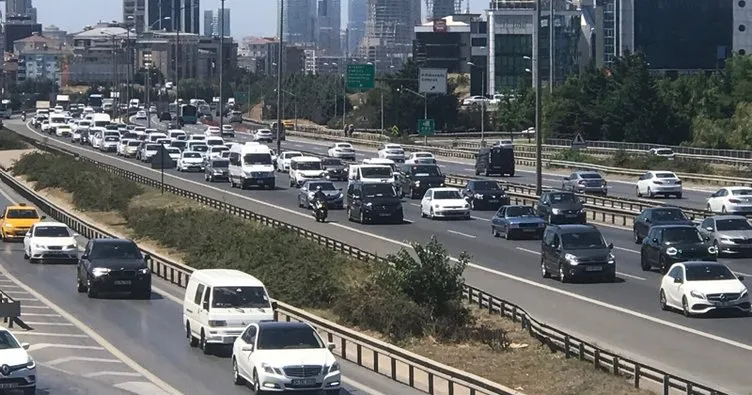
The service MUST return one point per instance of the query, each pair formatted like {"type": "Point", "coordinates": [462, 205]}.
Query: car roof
{"type": "Point", "coordinates": [444, 189]}
{"type": "Point", "coordinates": [701, 263]}
{"type": "Point", "coordinates": [663, 208]}
{"type": "Point", "coordinates": [306, 159]}
{"type": "Point", "coordinates": [20, 206]}
{"type": "Point", "coordinates": [227, 278]}
{"type": "Point", "coordinates": [52, 223]}
{"type": "Point", "coordinates": [271, 325]}
{"type": "Point", "coordinates": [671, 226]}
{"type": "Point", "coordinates": [722, 217]}
{"type": "Point", "coordinates": [577, 228]}
{"type": "Point", "coordinates": [112, 240]}
{"type": "Point", "coordinates": [737, 188]}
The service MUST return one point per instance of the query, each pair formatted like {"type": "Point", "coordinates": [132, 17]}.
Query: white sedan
{"type": "Point", "coordinates": [262, 135]}
{"type": "Point", "coordinates": [702, 287]}
{"type": "Point", "coordinates": [341, 151]}
{"type": "Point", "coordinates": [213, 131]}
{"type": "Point", "coordinates": [731, 200]}
{"type": "Point", "coordinates": [141, 115]}
{"type": "Point", "coordinates": [664, 183]}
{"type": "Point", "coordinates": [394, 152]}
{"type": "Point", "coordinates": [50, 241]}
{"type": "Point", "coordinates": [22, 368]}
{"type": "Point", "coordinates": [173, 152]}
{"type": "Point", "coordinates": [228, 130]}
{"type": "Point", "coordinates": [666, 153]}
{"type": "Point", "coordinates": [284, 356]}
{"type": "Point", "coordinates": [420, 158]}
{"type": "Point", "coordinates": [190, 160]}
{"type": "Point", "coordinates": [444, 203]}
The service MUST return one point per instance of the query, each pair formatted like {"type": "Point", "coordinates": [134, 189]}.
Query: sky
{"type": "Point", "coordinates": [248, 17]}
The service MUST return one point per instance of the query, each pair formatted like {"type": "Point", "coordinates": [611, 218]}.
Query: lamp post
{"type": "Point", "coordinates": [538, 131]}
{"type": "Point", "coordinates": [221, 65]}
{"type": "Point", "coordinates": [483, 103]}
{"type": "Point", "coordinates": [115, 79]}
{"type": "Point", "coordinates": [295, 105]}
{"type": "Point", "coordinates": [425, 106]}
{"type": "Point", "coordinates": [148, 76]}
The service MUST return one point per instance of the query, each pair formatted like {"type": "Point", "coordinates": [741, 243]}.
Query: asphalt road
{"type": "Point", "coordinates": [625, 315]}
{"type": "Point", "coordinates": [148, 332]}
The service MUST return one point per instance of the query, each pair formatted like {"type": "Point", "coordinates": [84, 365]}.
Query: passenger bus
{"type": "Point", "coordinates": [189, 114]}
{"type": "Point", "coordinates": [5, 110]}
{"type": "Point", "coordinates": [95, 101]}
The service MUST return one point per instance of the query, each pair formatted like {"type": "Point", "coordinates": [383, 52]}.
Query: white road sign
{"type": "Point", "coordinates": [432, 81]}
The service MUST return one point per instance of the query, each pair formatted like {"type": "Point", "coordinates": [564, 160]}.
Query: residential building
{"type": "Point", "coordinates": [253, 52]}
{"type": "Point", "coordinates": [135, 12]}
{"type": "Point", "coordinates": [446, 47]}
{"type": "Point", "coordinates": [208, 56]}
{"type": "Point", "coordinates": [356, 24]}
{"type": "Point", "coordinates": [98, 55]}
{"type": "Point", "coordinates": [40, 57]}
{"type": "Point", "coordinates": [223, 22]}
{"type": "Point", "coordinates": [329, 26]}
{"type": "Point", "coordinates": [10, 70]}
{"type": "Point", "coordinates": [184, 15]}
{"type": "Point", "coordinates": [299, 21]}
{"type": "Point", "coordinates": [210, 23]}
{"type": "Point", "coordinates": [55, 33]}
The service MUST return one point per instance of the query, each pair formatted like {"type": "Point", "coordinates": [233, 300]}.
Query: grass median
{"type": "Point", "coordinates": [416, 303]}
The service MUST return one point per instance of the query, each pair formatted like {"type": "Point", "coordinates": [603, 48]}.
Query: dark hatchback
{"type": "Point", "coordinates": [485, 195]}
{"type": "Point", "coordinates": [113, 265]}
{"type": "Point", "coordinates": [559, 207]}
{"type": "Point", "coordinates": [335, 169]}
{"type": "Point", "coordinates": [572, 252]}
{"type": "Point", "coordinates": [373, 203]}
{"type": "Point", "coordinates": [655, 216]}
{"type": "Point", "coordinates": [415, 180]}
{"type": "Point", "coordinates": [669, 244]}
{"type": "Point", "coordinates": [217, 170]}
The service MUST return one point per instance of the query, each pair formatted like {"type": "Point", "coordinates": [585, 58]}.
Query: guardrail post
{"type": "Point", "coordinates": [514, 313]}
{"type": "Point", "coordinates": [566, 346]}
{"type": "Point", "coordinates": [343, 347]}
{"type": "Point", "coordinates": [375, 361]}
{"type": "Point", "coordinates": [666, 384]}
{"type": "Point", "coordinates": [393, 368]}
{"type": "Point", "coordinates": [581, 352]}
{"type": "Point", "coordinates": [450, 387]}
{"type": "Point", "coordinates": [411, 376]}
{"type": "Point", "coordinates": [636, 378]}
{"type": "Point", "coordinates": [597, 358]}
{"type": "Point", "coordinates": [615, 365]}
{"type": "Point", "coordinates": [430, 383]}
{"type": "Point", "coordinates": [359, 354]}
{"type": "Point", "coordinates": [690, 389]}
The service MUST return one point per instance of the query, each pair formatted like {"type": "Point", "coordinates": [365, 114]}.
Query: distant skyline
{"type": "Point", "coordinates": [249, 17]}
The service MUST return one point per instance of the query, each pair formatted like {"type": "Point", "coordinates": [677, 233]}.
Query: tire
{"type": "Point", "coordinates": [723, 210]}
{"type": "Point", "coordinates": [685, 307]}
{"type": "Point", "coordinates": [91, 292]}
{"type": "Point", "coordinates": [650, 193]}
{"type": "Point", "coordinates": [637, 192]}
{"type": "Point", "coordinates": [362, 218]}
{"type": "Point", "coordinates": [644, 264]}
{"type": "Point", "coordinates": [33, 261]}
{"type": "Point", "coordinates": [494, 233]}
{"type": "Point", "coordinates": [707, 208]}
{"type": "Point", "coordinates": [349, 214]}
{"type": "Point", "coordinates": [472, 204]}
{"type": "Point", "coordinates": [256, 390]}
{"type": "Point", "coordinates": [563, 277]}
{"type": "Point", "coordinates": [636, 237]}
{"type": "Point", "coordinates": [431, 215]}
{"type": "Point", "coordinates": [26, 256]}
{"type": "Point", "coordinates": [80, 287]}
{"type": "Point", "coordinates": [662, 265]}
{"type": "Point", "coordinates": [544, 271]}
{"type": "Point", "coordinates": [236, 378]}
{"type": "Point", "coordinates": [508, 234]}
{"type": "Point", "coordinates": [662, 301]}
{"type": "Point", "coordinates": [203, 345]}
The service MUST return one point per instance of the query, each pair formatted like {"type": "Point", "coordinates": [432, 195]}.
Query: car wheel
{"type": "Point", "coordinates": [650, 193]}
{"type": "Point", "coordinates": [717, 248]}
{"type": "Point", "coordinates": [206, 177]}
{"type": "Point", "coordinates": [662, 264]}
{"type": "Point", "coordinates": [431, 215]}
{"type": "Point", "coordinates": [256, 385]}
{"type": "Point", "coordinates": [90, 291]}
{"type": "Point", "coordinates": [508, 234]}
{"type": "Point", "coordinates": [33, 260]}
{"type": "Point", "coordinates": [26, 256]}
{"type": "Point", "coordinates": [563, 277]}
{"type": "Point", "coordinates": [494, 232]}
{"type": "Point", "coordinates": [636, 237]}
{"type": "Point", "coordinates": [637, 191]}
{"type": "Point", "coordinates": [235, 374]}
{"type": "Point", "coordinates": [472, 204]}
{"type": "Point", "coordinates": [685, 307]}
{"type": "Point", "coordinates": [362, 218]}
{"type": "Point", "coordinates": [662, 301]}
{"type": "Point", "coordinates": [203, 345]}
{"type": "Point", "coordinates": [644, 264]}
{"type": "Point", "coordinates": [707, 208]}
{"type": "Point", "coordinates": [544, 271]}
{"type": "Point", "coordinates": [723, 210]}
{"type": "Point", "coordinates": [80, 287]}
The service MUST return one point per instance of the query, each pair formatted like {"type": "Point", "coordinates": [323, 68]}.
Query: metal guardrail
{"type": "Point", "coordinates": [398, 364]}
{"type": "Point", "coordinates": [679, 149]}
{"type": "Point", "coordinates": [10, 310]}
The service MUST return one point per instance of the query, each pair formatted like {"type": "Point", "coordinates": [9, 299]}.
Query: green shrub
{"type": "Point", "coordinates": [10, 140]}
{"type": "Point", "coordinates": [573, 155]}
{"type": "Point", "coordinates": [92, 189]}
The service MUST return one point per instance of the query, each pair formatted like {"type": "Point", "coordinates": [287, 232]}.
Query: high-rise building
{"type": "Point", "coordinates": [329, 26]}
{"type": "Point", "coordinates": [299, 21]}
{"type": "Point", "coordinates": [356, 23]}
{"type": "Point", "coordinates": [438, 9]}
{"type": "Point", "coordinates": [223, 21]}
{"type": "Point", "coordinates": [21, 8]}
{"type": "Point", "coordinates": [209, 23]}
{"type": "Point", "coordinates": [389, 31]}
{"type": "Point", "coordinates": [134, 13]}
{"type": "Point", "coordinates": [184, 15]}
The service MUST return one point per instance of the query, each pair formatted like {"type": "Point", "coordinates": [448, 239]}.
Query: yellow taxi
{"type": "Point", "coordinates": [16, 220]}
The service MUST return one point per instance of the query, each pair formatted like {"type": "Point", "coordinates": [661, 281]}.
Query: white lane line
{"type": "Point", "coordinates": [361, 387]}
{"type": "Point", "coordinates": [29, 306]}
{"type": "Point", "coordinates": [528, 251]}
{"type": "Point", "coordinates": [632, 276]}
{"type": "Point", "coordinates": [50, 334]}
{"type": "Point", "coordinates": [579, 297]}
{"type": "Point", "coordinates": [140, 388]}
{"type": "Point", "coordinates": [37, 323]}
{"type": "Point", "coordinates": [40, 315]}
{"type": "Point", "coordinates": [25, 299]}
{"type": "Point", "coordinates": [481, 219]}
{"type": "Point", "coordinates": [468, 169]}
{"type": "Point", "coordinates": [461, 234]}
{"type": "Point", "coordinates": [121, 374]}
{"type": "Point", "coordinates": [14, 292]}
{"type": "Point", "coordinates": [81, 359]}
{"type": "Point", "coordinates": [42, 346]}
{"type": "Point", "coordinates": [626, 249]}
{"type": "Point", "coordinates": [95, 336]}
{"type": "Point", "coordinates": [7, 196]}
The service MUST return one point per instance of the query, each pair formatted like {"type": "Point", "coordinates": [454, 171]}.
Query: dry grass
{"type": "Point", "coordinates": [526, 365]}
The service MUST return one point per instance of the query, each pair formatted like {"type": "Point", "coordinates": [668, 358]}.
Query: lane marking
{"type": "Point", "coordinates": [549, 288]}
{"type": "Point", "coordinates": [528, 251]}
{"type": "Point", "coordinates": [94, 335]}
{"type": "Point", "coordinates": [626, 249]}
{"type": "Point", "coordinates": [81, 359]}
{"type": "Point", "coordinates": [360, 387]}
{"type": "Point", "coordinates": [35, 323]}
{"type": "Point", "coordinates": [42, 346]}
{"type": "Point", "coordinates": [40, 315]}
{"type": "Point", "coordinates": [122, 374]}
{"type": "Point", "coordinates": [28, 306]}
{"type": "Point", "coordinates": [50, 334]}
{"type": "Point", "coordinates": [461, 234]}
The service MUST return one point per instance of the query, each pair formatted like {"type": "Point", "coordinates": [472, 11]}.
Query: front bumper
{"type": "Point", "coordinates": [223, 335]}
{"type": "Point", "coordinates": [579, 218]}
{"type": "Point", "coordinates": [15, 233]}
{"type": "Point", "coordinates": [527, 229]}
{"type": "Point", "coordinates": [268, 181]}
{"type": "Point", "coordinates": [451, 212]}
{"type": "Point", "coordinates": [121, 283]}
{"type": "Point", "coordinates": [591, 270]}
{"type": "Point", "coordinates": [19, 378]}
{"type": "Point", "coordinates": [220, 176]}
{"type": "Point", "coordinates": [273, 382]}
{"type": "Point", "coordinates": [192, 166]}
{"type": "Point", "coordinates": [703, 306]}
{"type": "Point", "coordinates": [111, 148]}
{"type": "Point", "coordinates": [69, 255]}
{"type": "Point", "coordinates": [383, 213]}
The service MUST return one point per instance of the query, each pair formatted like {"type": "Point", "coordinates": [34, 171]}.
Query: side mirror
{"type": "Point", "coordinates": [678, 281]}
{"type": "Point", "coordinates": [566, 178]}
{"type": "Point", "coordinates": [331, 346]}
{"type": "Point", "coordinates": [247, 348]}
{"type": "Point", "coordinates": [28, 234]}
{"type": "Point", "coordinates": [610, 246]}
{"type": "Point", "coordinates": [25, 346]}
{"type": "Point", "coordinates": [43, 217]}
{"type": "Point", "coordinates": [76, 234]}
{"type": "Point", "coordinates": [274, 305]}
{"type": "Point", "coordinates": [303, 189]}
{"type": "Point", "coordinates": [655, 239]}
{"type": "Point", "coordinates": [741, 278]}
{"type": "Point", "coordinates": [467, 198]}
{"type": "Point", "coordinates": [146, 257]}
{"type": "Point", "coordinates": [84, 256]}
{"type": "Point", "coordinates": [205, 305]}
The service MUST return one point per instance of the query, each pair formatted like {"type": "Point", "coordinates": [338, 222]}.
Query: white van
{"type": "Point", "coordinates": [100, 119]}
{"type": "Point", "coordinates": [381, 161]}
{"type": "Point", "coordinates": [372, 174]}
{"type": "Point", "coordinates": [220, 303]}
{"type": "Point", "coordinates": [251, 164]}
{"type": "Point", "coordinates": [304, 168]}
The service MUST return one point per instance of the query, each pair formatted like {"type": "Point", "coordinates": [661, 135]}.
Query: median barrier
{"type": "Point", "coordinates": [388, 360]}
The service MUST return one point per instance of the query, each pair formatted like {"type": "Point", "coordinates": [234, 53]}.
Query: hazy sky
{"type": "Point", "coordinates": [248, 18]}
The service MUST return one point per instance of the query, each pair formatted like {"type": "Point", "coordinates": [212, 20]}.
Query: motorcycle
{"type": "Point", "coordinates": [320, 211]}
{"type": "Point", "coordinates": [23, 117]}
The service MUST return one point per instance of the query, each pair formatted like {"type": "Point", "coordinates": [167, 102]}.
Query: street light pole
{"type": "Point", "coordinates": [279, 75]}
{"type": "Point", "coordinates": [551, 49]}
{"type": "Point", "coordinates": [483, 103]}
{"type": "Point", "coordinates": [221, 64]}
{"type": "Point", "coordinates": [538, 132]}
{"type": "Point", "coordinates": [425, 106]}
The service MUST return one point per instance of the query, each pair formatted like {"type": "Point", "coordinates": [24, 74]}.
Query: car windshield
{"type": "Point", "coordinates": [281, 338]}
{"type": "Point", "coordinates": [308, 165]}
{"type": "Point", "coordinates": [376, 172]}
{"type": "Point", "coordinates": [221, 163]}
{"type": "Point", "coordinates": [331, 162]}
{"type": "Point", "coordinates": [425, 171]}
{"type": "Point", "coordinates": [51, 231]}
{"type": "Point", "coordinates": [200, 148]}
{"type": "Point", "coordinates": [215, 142]}
{"type": "Point", "coordinates": [7, 341]}
{"type": "Point", "coordinates": [325, 186]}
{"type": "Point", "coordinates": [111, 138]}
{"type": "Point", "coordinates": [665, 175]}
{"type": "Point", "coordinates": [239, 297]}
{"type": "Point", "coordinates": [741, 192]}
{"type": "Point", "coordinates": [590, 176]}
{"type": "Point", "coordinates": [710, 272]}
{"type": "Point", "coordinates": [424, 155]}
{"type": "Point", "coordinates": [344, 146]}
{"type": "Point", "coordinates": [732, 224]}
{"type": "Point", "coordinates": [520, 211]}
{"type": "Point", "coordinates": [179, 144]}
{"type": "Point", "coordinates": [441, 195]}
{"type": "Point", "coordinates": [668, 215]}
{"type": "Point", "coordinates": [290, 155]}
{"type": "Point", "coordinates": [257, 159]}
{"type": "Point", "coordinates": [486, 185]}
{"type": "Point", "coordinates": [191, 155]}
{"type": "Point", "coordinates": [118, 250]}
{"type": "Point", "coordinates": [681, 235]}
{"type": "Point", "coordinates": [219, 149]}
{"type": "Point", "coordinates": [378, 190]}
{"type": "Point", "coordinates": [22, 213]}
{"type": "Point", "coordinates": [582, 240]}
{"type": "Point", "coordinates": [562, 198]}
{"type": "Point", "coordinates": [172, 150]}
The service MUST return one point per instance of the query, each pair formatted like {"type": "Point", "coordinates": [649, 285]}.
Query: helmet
{"type": "Point", "coordinates": [318, 187]}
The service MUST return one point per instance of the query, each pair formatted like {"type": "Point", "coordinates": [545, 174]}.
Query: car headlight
{"type": "Point", "coordinates": [216, 323]}
{"type": "Point", "coordinates": [556, 211]}
{"type": "Point", "coordinates": [30, 364]}
{"type": "Point", "coordinates": [571, 259]}
{"type": "Point", "coordinates": [467, 205]}
{"type": "Point", "coordinates": [39, 246]}
{"type": "Point", "coordinates": [417, 183]}
{"type": "Point", "coordinates": [611, 259]}
{"type": "Point", "coordinates": [671, 251]}
{"type": "Point", "coordinates": [339, 196]}
{"type": "Point", "coordinates": [270, 369]}
{"type": "Point", "coordinates": [478, 196]}
{"type": "Point", "coordinates": [100, 271]}
{"type": "Point", "coordinates": [144, 270]}
{"type": "Point", "coordinates": [744, 294]}
{"type": "Point", "coordinates": [8, 225]}
{"type": "Point", "coordinates": [323, 174]}
{"type": "Point", "coordinates": [369, 204]}
{"type": "Point", "coordinates": [334, 367]}
{"type": "Point", "coordinates": [712, 250]}
{"type": "Point", "coordinates": [697, 294]}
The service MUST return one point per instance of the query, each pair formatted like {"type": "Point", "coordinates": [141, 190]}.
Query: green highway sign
{"type": "Point", "coordinates": [360, 77]}
{"type": "Point", "coordinates": [426, 127]}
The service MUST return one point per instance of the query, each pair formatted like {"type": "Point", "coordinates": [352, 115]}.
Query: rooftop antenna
{"type": "Point", "coordinates": [468, 7]}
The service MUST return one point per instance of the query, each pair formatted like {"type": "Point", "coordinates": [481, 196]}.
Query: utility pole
{"type": "Point", "coordinates": [552, 50]}
{"type": "Point", "coordinates": [382, 112]}
{"type": "Point", "coordinates": [221, 64]}
{"type": "Point", "coordinates": [279, 75]}
{"type": "Point", "coordinates": [176, 23]}
{"type": "Point", "coordinates": [148, 95]}
{"type": "Point", "coordinates": [538, 131]}
{"type": "Point", "coordinates": [344, 81]}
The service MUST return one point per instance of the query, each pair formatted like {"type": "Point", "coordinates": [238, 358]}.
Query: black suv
{"type": "Point", "coordinates": [113, 265]}
{"type": "Point", "coordinates": [414, 180]}
{"type": "Point", "coordinates": [335, 169]}
{"type": "Point", "coordinates": [373, 202]}
{"type": "Point", "coordinates": [559, 207]}
{"type": "Point", "coordinates": [165, 116]}
{"type": "Point", "coordinates": [657, 216]}
{"type": "Point", "coordinates": [485, 195]}
{"type": "Point", "coordinates": [669, 244]}
{"type": "Point", "coordinates": [572, 252]}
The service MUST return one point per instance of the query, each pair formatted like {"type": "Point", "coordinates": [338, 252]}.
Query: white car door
{"type": "Point", "coordinates": [675, 289]}
{"type": "Point", "coordinates": [244, 350]}
{"type": "Point", "coordinates": [642, 184]}
{"type": "Point", "coordinates": [27, 238]}
{"type": "Point", "coordinates": [425, 204]}
{"type": "Point", "coordinates": [717, 199]}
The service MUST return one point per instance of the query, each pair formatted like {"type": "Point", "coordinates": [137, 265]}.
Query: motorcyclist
{"type": "Point", "coordinates": [23, 115]}
{"type": "Point", "coordinates": [319, 197]}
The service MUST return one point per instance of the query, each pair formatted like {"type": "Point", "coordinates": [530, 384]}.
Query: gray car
{"type": "Point", "coordinates": [585, 182]}
{"type": "Point", "coordinates": [731, 234]}
{"type": "Point", "coordinates": [334, 197]}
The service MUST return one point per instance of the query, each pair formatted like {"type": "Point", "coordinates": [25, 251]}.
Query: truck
{"type": "Point", "coordinates": [43, 106]}
{"type": "Point", "coordinates": [108, 105]}
{"type": "Point", "coordinates": [95, 101]}
{"type": "Point", "coordinates": [5, 110]}
{"type": "Point", "coordinates": [63, 101]}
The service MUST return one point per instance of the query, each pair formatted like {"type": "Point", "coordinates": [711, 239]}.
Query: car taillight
{"type": "Point", "coordinates": [658, 182]}
{"type": "Point", "coordinates": [678, 182]}
{"type": "Point", "coordinates": [603, 183]}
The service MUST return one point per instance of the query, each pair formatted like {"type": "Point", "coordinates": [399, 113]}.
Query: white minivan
{"type": "Point", "coordinates": [220, 303]}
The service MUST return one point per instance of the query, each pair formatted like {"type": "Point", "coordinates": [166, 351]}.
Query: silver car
{"type": "Point", "coordinates": [731, 234]}
{"type": "Point", "coordinates": [585, 182]}
{"type": "Point", "coordinates": [334, 198]}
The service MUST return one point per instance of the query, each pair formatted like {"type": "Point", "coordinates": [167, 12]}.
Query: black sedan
{"type": "Point", "coordinates": [165, 116]}
{"type": "Point", "coordinates": [669, 244]}
{"type": "Point", "coordinates": [113, 265]}
{"type": "Point", "coordinates": [335, 169]}
{"type": "Point", "coordinates": [485, 195]}
{"type": "Point", "coordinates": [657, 216]}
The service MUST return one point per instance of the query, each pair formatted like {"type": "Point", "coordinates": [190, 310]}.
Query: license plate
{"type": "Point", "coordinates": [493, 201]}
{"type": "Point", "coordinates": [529, 230]}
{"type": "Point", "coordinates": [385, 215]}
{"type": "Point", "coordinates": [8, 385]}
{"type": "Point", "coordinates": [571, 215]}
{"type": "Point", "coordinates": [593, 268]}
{"type": "Point", "coordinates": [122, 282]}
{"type": "Point", "coordinates": [723, 304]}
{"type": "Point", "coordinates": [303, 381]}
{"type": "Point", "coordinates": [55, 253]}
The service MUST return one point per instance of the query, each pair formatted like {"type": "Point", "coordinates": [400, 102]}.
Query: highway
{"type": "Point", "coordinates": [149, 333]}
{"type": "Point", "coordinates": [625, 316]}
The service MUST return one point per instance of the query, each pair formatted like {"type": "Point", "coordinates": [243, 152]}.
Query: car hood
{"type": "Point", "coordinates": [310, 173]}
{"type": "Point", "coordinates": [717, 286]}
{"type": "Point", "coordinates": [594, 254]}
{"type": "Point", "coordinates": [688, 247]}
{"type": "Point", "coordinates": [672, 222]}
{"type": "Point", "coordinates": [418, 177]}
{"type": "Point", "coordinates": [21, 222]}
{"type": "Point", "coordinates": [54, 241]}
{"type": "Point", "coordinates": [334, 168]}
{"type": "Point", "coordinates": [735, 234]}
{"type": "Point", "coordinates": [525, 220]}
{"type": "Point", "coordinates": [295, 357]}
{"type": "Point", "coordinates": [491, 192]}
{"type": "Point", "coordinates": [14, 356]}
{"type": "Point", "coordinates": [194, 160]}
{"type": "Point", "coordinates": [450, 202]}
{"type": "Point", "coordinates": [115, 264]}
{"type": "Point", "coordinates": [567, 206]}
{"type": "Point", "coordinates": [267, 168]}
{"type": "Point", "coordinates": [382, 201]}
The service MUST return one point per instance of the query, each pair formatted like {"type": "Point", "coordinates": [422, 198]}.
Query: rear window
{"type": "Point", "coordinates": [590, 176]}
{"type": "Point", "coordinates": [665, 175]}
